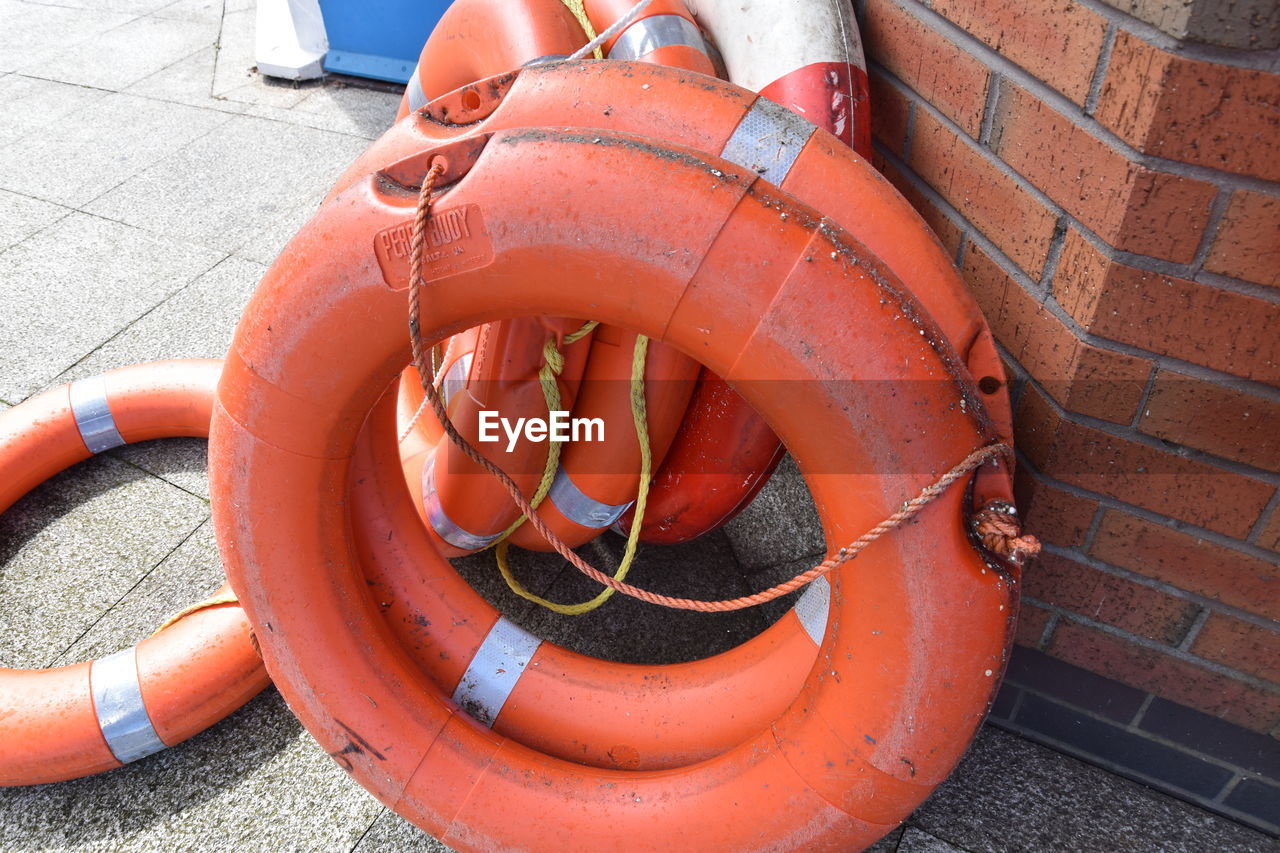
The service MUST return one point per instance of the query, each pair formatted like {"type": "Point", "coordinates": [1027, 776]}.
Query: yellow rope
{"type": "Point", "coordinates": [575, 6]}
{"type": "Point", "coordinates": [552, 365]}
{"type": "Point", "coordinates": [640, 416]}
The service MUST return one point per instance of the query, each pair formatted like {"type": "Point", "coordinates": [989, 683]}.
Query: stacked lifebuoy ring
{"type": "Point", "coordinates": [71, 721]}
{"type": "Point", "coordinates": [840, 755]}
{"type": "Point", "coordinates": [652, 729]}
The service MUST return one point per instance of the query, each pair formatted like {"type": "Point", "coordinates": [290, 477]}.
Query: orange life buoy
{"type": "Point", "coordinates": [628, 724]}
{"type": "Point", "coordinates": [597, 480]}
{"type": "Point", "coordinates": [807, 56]}
{"type": "Point", "coordinates": [917, 626]}
{"type": "Point", "coordinates": [71, 721]}
{"type": "Point", "coordinates": [478, 38]}
{"type": "Point", "coordinates": [664, 33]}
{"type": "Point", "coordinates": [463, 506]}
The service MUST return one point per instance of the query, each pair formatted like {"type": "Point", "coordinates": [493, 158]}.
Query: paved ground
{"type": "Point", "coordinates": [147, 176]}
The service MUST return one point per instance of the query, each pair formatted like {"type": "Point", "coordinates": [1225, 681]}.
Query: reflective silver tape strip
{"type": "Point", "coordinates": [494, 671]}
{"type": "Point", "coordinates": [117, 699]}
{"type": "Point", "coordinates": [768, 140]}
{"type": "Point", "coordinates": [455, 378]}
{"type": "Point", "coordinates": [581, 508]}
{"type": "Point", "coordinates": [93, 415]}
{"type": "Point", "coordinates": [812, 608]}
{"type": "Point", "coordinates": [648, 34]}
{"type": "Point", "coordinates": [441, 523]}
{"type": "Point", "coordinates": [417, 97]}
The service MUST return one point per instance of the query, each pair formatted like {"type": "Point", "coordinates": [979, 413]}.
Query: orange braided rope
{"type": "Point", "coordinates": [1015, 546]}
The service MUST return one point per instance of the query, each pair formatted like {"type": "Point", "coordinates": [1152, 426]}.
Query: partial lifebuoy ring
{"type": "Point", "coordinates": [629, 725]}
{"type": "Point", "coordinates": [72, 721]}
{"type": "Point", "coordinates": [477, 38]}
{"type": "Point", "coordinates": [465, 509]}
{"type": "Point", "coordinates": [908, 662]}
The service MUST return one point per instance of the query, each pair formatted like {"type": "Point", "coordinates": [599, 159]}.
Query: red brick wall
{"type": "Point", "coordinates": [1111, 190]}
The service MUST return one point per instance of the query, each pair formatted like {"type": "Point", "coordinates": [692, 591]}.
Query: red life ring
{"type": "Point", "coordinates": [629, 725]}
{"type": "Point", "coordinates": [907, 665]}
{"type": "Point", "coordinates": [72, 721]}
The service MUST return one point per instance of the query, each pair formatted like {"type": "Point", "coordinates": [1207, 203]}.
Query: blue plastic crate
{"type": "Point", "coordinates": [381, 40]}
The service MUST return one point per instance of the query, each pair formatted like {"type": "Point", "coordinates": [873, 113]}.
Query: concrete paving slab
{"type": "Point", "coordinates": [780, 525]}
{"type": "Point", "coordinates": [21, 216]}
{"type": "Point", "coordinates": [108, 141]}
{"type": "Point", "coordinates": [192, 572]}
{"type": "Point", "coordinates": [187, 81]}
{"type": "Point", "coordinates": [256, 781]}
{"type": "Point", "coordinates": [75, 546]}
{"type": "Point", "coordinates": [1010, 795]}
{"type": "Point", "coordinates": [126, 7]}
{"type": "Point", "coordinates": [343, 107]}
{"type": "Point", "coordinates": [192, 10]}
{"type": "Point", "coordinates": [888, 844]}
{"type": "Point", "coordinates": [73, 285]}
{"type": "Point", "coordinates": [391, 833]}
{"type": "Point", "coordinates": [197, 321]}
{"type": "Point", "coordinates": [266, 242]}
{"type": "Point", "coordinates": [33, 33]}
{"type": "Point", "coordinates": [182, 462]}
{"type": "Point", "coordinates": [226, 188]}
{"type": "Point", "coordinates": [125, 54]}
{"type": "Point", "coordinates": [913, 840]}
{"type": "Point", "coordinates": [31, 105]}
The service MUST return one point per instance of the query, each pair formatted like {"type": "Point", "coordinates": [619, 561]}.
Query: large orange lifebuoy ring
{"type": "Point", "coordinates": [917, 627]}
{"type": "Point", "coordinates": [630, 726]}
{"type": "Point", "coordinates": [72, 721]}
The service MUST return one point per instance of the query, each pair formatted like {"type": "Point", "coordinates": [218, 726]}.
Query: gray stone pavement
{"type": "Point", "coordinates": [147, 177]}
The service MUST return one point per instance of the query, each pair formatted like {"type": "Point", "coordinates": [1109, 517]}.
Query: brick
{"type": "Point", "coordinates": [1256, 797]}
{"type": "Point", "coordinates": [1036, 425]}
{"type": "Point", "coordinates": [1248, 24]}
{"type": "Point", "coordinates": [1189, 563]}
{"type": "Point", "coordinates": [1199, 323]}
{"type": "Point", "coordinates": [1240, 645]}
{"type": "Point", "coordinates": [1037, 671]}
{"type": "Point", "coordinates": [1194, 112]}
{"type": "Point", "coordinates": [1124, 748]}
{"type": "Point", "coordinates": [1006, 700]}
{"type": "Point", "coordinates": [1247, 244]}
{"type": "Point", "coordinates": [890, 113]}
{"type": "Point", "coordinates": [1167, 676]}
{"type": "Point", "coordinates": [935, 67]}
{"type": "Point", "coordinates": [1056, 40]}
{"type": "Point", "coordinates": [947, 232]}
{"type": "Point", "coordinates": [1080, 376]}
{"type": "Point", "coordinates": [1031, 624]}
{"type": "Point", "coordinates": [1108, 598]}
{"type": "Point", "coordinates": [1269, 536]}
{"type": "Point", "coordinates": [1224, 741]}
{"type": "Point", "coordinates": [1052, 515]}
{"type": "Point", "coordinates": [1214, 418]}
{"type": "Point", "coordinates": [995, 203]}
{"type": "Point", "coordinates": [1130, 206]}
{"type": "Point", "coordinates": [1185, 489]}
